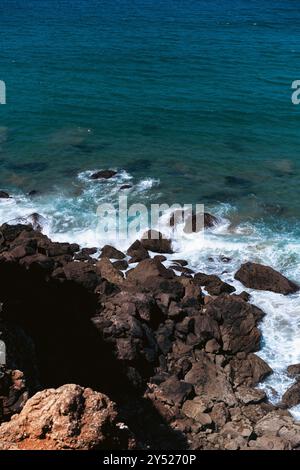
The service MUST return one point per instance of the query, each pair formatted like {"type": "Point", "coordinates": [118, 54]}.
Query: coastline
{"type": "Point", "coordinates": [182, 345]}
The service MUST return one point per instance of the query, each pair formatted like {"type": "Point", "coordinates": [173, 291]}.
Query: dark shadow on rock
{"type": "Point", "coordinates": [56, 315]}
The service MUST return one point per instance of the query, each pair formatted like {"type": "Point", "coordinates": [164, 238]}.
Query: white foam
{"type": "Point", "coordinates": [73, 218]}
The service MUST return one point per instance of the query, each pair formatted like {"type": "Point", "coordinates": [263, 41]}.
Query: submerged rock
{"type": "Point", "coordinates": [258, 276]}
{"type": "Point", "coordinates": [103, 174]}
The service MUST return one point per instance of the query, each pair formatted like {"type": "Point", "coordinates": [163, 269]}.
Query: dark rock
{"type": "Point", "coordinates": [181, 262]}
{"type": "Point", "coordinates": [294, 370]}
{"type": "Point", "coordinates": [155, 241]}
{"type": "Point", "coordinates": [120, 265]}
{"type": "Point", "coordinates": [103, 174]}
{"type": "Point", "coordinates": [33, 193]}
{"type": "Point", "coordinates": [258, 276]}
{"type": "Point", "coordinates": [244, 296]}
{"type": "Point", "coordinates": [4, 195]}
{"type": "Point", "coordinates": [126, 186]}
{"type": "Point", "coordinates": [176, 391]}
{"type": "Point", "coordinates": [292, 396]}
{"type": "Point", "coordinates": [238, 321]}
{"type": "Point", "coordinates": [182, 269]}
{"type": "Point", "coordinates": [213, 284]}
{"type": "Point", "coordinates": [160, 258]}
{"type": "Point", "coordinates": [210, 381]}
{"type": "Point", "coordinates": [81, 273]}
{"type": "Point", "coordinates": [194, 223]}
{"type": "Point", "coordinates": [13, 392]}
{"type": "Point", "coordinates": [149, 268]}
{"type": "Point", "coordinates": [137, 252]}
{"type": "Point", "coordinates": [111, 252]}
{"type": "Point", "coordinates": [248, 370]}
{"type": "Point", "coordinates": [106, 270]}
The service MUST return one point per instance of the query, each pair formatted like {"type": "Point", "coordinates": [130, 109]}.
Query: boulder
{"type": "Point", "coordinates": [292, 396]}
{"type": "Point", "coordinates": [137, 252]}
{"type": "Point", "coordinates": [13, 392]}
{"type": "Point", "coordinates": [153, 240]}
{"type": "Point", "coordinates": [249, 395]}
{"type": "Point", "coordinates": [260, 277]}
{"type": "Point", "coordinates": [176, 391]}
{"type": "Point", "coordinates": [193, 222]}
{"type": "Point", "coordinates": [106, 270]}
{"type": "Point", "coordinates": [294, 370]}
{"type": "Point", "coordinates": [81, 273]}
{"type": "Point", "coordinates": [112, 253]}
{"type": "Point", "coordinates": [248, 370]}
{"type": "Point", "coordinates": [210, 381]}
{"type": "Point", "coordinates": [68, 418]}
{"type": "Point", "coordinates": [103, 174]}
{"type": "Point", "coordinates": [147, 269]}
{"type": "Point", "coordinates": [4, 195]}
{"type": "Point", "coordinates": [213, 284]}
{"type": "Point", "coordinates": [237, 321]}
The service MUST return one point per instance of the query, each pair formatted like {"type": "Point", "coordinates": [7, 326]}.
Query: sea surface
{"type": "Point", "coordinates": [190, 100]}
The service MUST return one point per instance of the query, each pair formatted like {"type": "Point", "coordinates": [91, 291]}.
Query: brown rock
{"type": "Point", "coordinates": [257, 276]}
{"type": "Point", "coordinates": [237, 323]}
{"type": "Point", "coordinates": [70, 417]}
{"type": "Point", "coordinates": [147, 269]}
{"type": "Point", "coordinates": [210, 381]}
{"type": "Point", "coordinates": [294, 370]}
{"type": "Point", "coordinates": [249, 370]}
{"type": "Point", "coordinates": [249, 395]}
{"type": "Point", "coordinates": [153, 240]}
{"type": "Point", "coordinates": [137, 252]}
{"type": "Point", "coordinates": [106, 270]}
{"type": "Point", "coordinates": [213, 284]}
{"type": "Point", "coordinates": [292, 396]}
{"type": "Point", "coordinates": [111, 252]}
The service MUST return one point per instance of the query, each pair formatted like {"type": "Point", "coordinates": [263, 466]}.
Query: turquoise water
{"type": "Point", "coordinates": [189, 100]}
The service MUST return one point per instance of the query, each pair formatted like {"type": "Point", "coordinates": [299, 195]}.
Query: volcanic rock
{"type": "Point", "coordinates": [155, 241]}
{"type": "Point", "coordinates": [258, 276]}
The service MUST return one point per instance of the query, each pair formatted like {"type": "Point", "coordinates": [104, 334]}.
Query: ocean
{"type": "Point", "coordinates": [190, 100]}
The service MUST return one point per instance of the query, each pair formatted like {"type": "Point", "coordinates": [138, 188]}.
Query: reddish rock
{"type": "Point", "coordinates": [70, 417]}
{"type": "Point", "coordinates": [111, 252]}
{"type": "Point", "coordinates": [137, 252]}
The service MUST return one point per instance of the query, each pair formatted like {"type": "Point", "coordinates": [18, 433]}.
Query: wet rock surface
{"type": "Point", "coordinates": [258, 276]}
{"type": "Point", "coordinates": [147, 349]}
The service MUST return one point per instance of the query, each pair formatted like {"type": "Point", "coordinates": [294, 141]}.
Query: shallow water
{"type": "Point", "coordinates": [190, 101]}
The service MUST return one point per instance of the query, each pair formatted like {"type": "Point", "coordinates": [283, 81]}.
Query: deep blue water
{"type": "Point", "coordinates": [195, 93]}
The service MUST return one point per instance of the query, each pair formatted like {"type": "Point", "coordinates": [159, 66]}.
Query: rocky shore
{"type": "Point", "coordinates": [122, 352]}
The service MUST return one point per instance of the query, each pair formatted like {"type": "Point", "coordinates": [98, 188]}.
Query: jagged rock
{"type": "Point", "coordinates": [4, 195]}
{"type": "Point", "coordinates": [13, 392]}
{"type": "Point", "coordinates": [103, 174]}
{"type": "Point", "coordinates": [249, 395]}
{"type": "Point", "coordinates": [153, 240]}
{"type": "Point", "coordinates": [237, 323]}
{"type": "Point", "coordinates": [175, 391]}
{"type": "Point", "coordinates": [81, 273]}
{"type": "Point", "coordinates": [112, 253]}
{"type": "Point", "coordinates": [213, 284]}
{"type": "Point", "coordinates": [210, 381]}
{"type": "Point", "coordinates": [258, 276]}
{"type": "Point", "coordinates": [147, 269]}
{"type": "Point", "coordinates": [70, 417]}
{"type": "Point", "coordinates": [137, 252]}
{"type": "Point", "coordinates": [248, 370]}
{"type": "Point", "coordinates": [106, 270]}
{"type": "Point", "coordinates": [292, 396]}
{"type": "Point", "coordinates": [279, 424]}
{"type": "Point", "coordinates": [121, 265]}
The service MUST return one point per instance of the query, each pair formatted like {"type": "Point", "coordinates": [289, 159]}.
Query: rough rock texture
{"type": "Point", "coordinates": [155, 241]}
{"type": "Point", "coordinates": [180, 365]}
{"type": "Point", "coordinates": [70, 417]}
{"type": "Point", "coordinates": [257, 276]}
